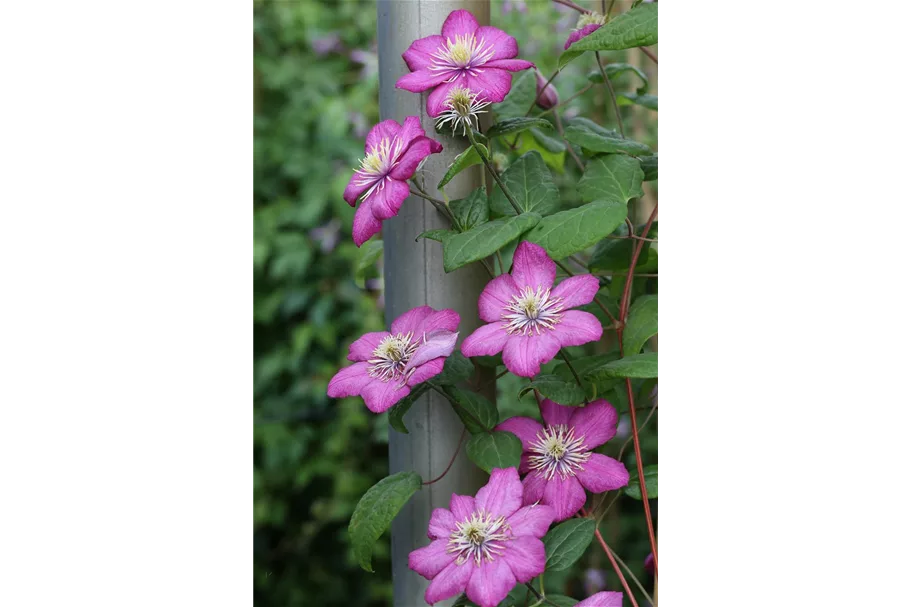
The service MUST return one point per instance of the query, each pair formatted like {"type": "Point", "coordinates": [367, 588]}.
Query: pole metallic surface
{"type": "Point", "coordinates": [413, 276]}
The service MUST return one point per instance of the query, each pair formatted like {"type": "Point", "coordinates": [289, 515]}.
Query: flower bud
{"type": "Point", "coordinates": [500, 162]}
{"type": "Point", "coordinates": [549, 97]}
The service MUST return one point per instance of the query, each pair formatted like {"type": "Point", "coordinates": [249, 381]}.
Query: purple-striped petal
{"type": "Point", "coordinates": [442, 524]}
{"type": "Point", "coordinates": [525, 428]}
{"type": "Point", "coordinates": [365, 224]}
{"type": "Point", "coordinates": [531, 267]}
{"type": "Point", "coordinates": [576, 290]}
{"type": "Point", "coordinates": [486, 340]}
{"type": "Point", "coordinates": [449, 582]}
{"type": "Point", "coordinates": [441, 320]}
{"type": "Point", "coordinates": [459, 23]}
{"type": "Point", "coordinates": [525, 557]}
{"type": "Point", "coordinates": [502, 495]}
{"type": "Point", "coordinates": [597, 422]}
{"type": "Point", "coordinates": [504, 45]}
{"type": "Point", "coordinates": [603, 599]}
{"type": "Point", "coordinates": [421, 80]}
{"type": "Point", "coordinates": [419, 54]}
{"type": "Point", "coordinates": [386, 129]}
{"type": "Point", "coordinates": [496, 296]}
{"type": "Point", "coordinates": [349, 381]}
{"type": "Point", "coordinates": [435, 344]}
{"type": "Point", "coordinates": [490, 583]}
{"type": "Point", "coordinates": [436, 100]}
{"type": "Point", "coordinates": [602, 473]}
{"type": "Point", "coordinates": [555, 414]}
{"type": "Point", "coordinates": [410, 321]}
{"type": "Point", "coordinates": [461, 506]}
{"type": "Point", "coordinates": [532, 520]}
{"type": "Point", "coordinates": [566, 496]}
{"type": "Point", "coordinates": [577, 328]}
{"type": "Point", "coordinates": [386, 200]}
{"type": "Point", "coordinates": [357, 185]}
{"type": "Point", "coordinates": [431, 560]}
{"type": "Point", "coordinates": [579, 34]}
{"type": "Point", "coordinates": [512, 65]}
{"type": "Point", "coordinates": [379, 395]}
{"type": "Point", "coordinates": [363, 347]}
{"type": "Point", "coordinates": [523, 355]}
{"type": "Point", "coordinates": [491, 84]}
{"type": "Point", "coordinates": [408, 163]}
{"type": "Point", "coordinates": [426, 371]}
{"type": "Point", "coordinates": [533, 489]}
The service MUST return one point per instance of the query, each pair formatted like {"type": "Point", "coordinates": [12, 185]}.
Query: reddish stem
{"type": "Point", "coordinates": [649, 54]}
{"type": "Point", "coordinates": [572, 5]}
{"type": "Point", "coordinates": [613, 562]}
{"type": "Point", "coordinates": [451, 461]}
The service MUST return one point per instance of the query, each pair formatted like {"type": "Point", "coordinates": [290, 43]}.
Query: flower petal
{"type": "Point", "coordinates": [576, 290]}
{"type": "Point", "coordinates": [532, 520]}
{"type": "Point", "coordinates": [504, 45]}
{"type": "Point", "coordinates": [410, 321]}
{"type": "Point", "coordinates": [523, 355]}
{"type": "Point", "coordinates": [427, 371]}
{"type": "Point", "coordinates": [357, 185]}
{"type": "Point", "coordinates": [446, 319]}
{"type": "Point", "coordinates": [579, 34]}
{"type": "Point", "coordinates": [525, 557]}
{"type": "Point", "coordinates": [436, 344]}
{"type": "Point", "coordinates": [577, 328]}
{"type": "Point", "coordinates": [441, 524]}
{"type": "Point", "coordinates": [379, 395]}
{"type": "Point", "coordinates": [566, 496]}
{"type": "Point", "coordinates": [461, 506]}
{"type": "Point", "coordinates": [486, 340]}
{"type": "Point", "coordinates": [525, 428]}
{"type": "Point", "coordinates": [363, 346]}
{"type": "Point", "coordinates": [409, 162]}
{"type": "Point", "coordinates": [365, 224]}
{"type": "Point", "coordinates": [410, 131]}
{"type": "Point", "coordinates": [555, 414]}
{"type": "Point", "coordinates": [531, 267]}
{"type": "Point", "coordinates": [490, 83]}
{"type": "Point", "coordinates": [421, 80]}
{"type": "Point", "coordinates": [603, 599]}
{"type": "Point", "coordinates": [502, 495]}
{"type": "Point", "coordinates": [387, 198]}
{"type": "Point", "coordinates": [602, 473]}
{"type": "Point", "coordinates": [490, 583]}
{"type": "Point", "coordinates": [597, 422]}
{"type": "Point", "coordinates": [349, 381]}
{"type": "Point", "coordinates": [459, 23]}
{"type": "Point", "coordinates": [430, 560]}
{"type": "Point", "coordinates": [513, 65]}
{"type": "Point", "coordinates": [496, 296]}
{"type": "Point", "coordinates": [419, 54]}
{"type": "Point", "coordinates": [533, 489]}
{"type": "Point", "coordinates": [449, 582]}
{"type": "Point", "coordinates": [436, 100]}
{"type": "Point", "coordinates": [386, 129]}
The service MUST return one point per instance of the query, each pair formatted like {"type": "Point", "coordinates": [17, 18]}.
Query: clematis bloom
{"type": "Point", "coordinates": [388, 364]}
{"type": "Point", "coordinates": [483, 545]}
{"type": "Point", "coordinates": [588, 22]}
{"type": "Point", "coordinates": [530, 321]}
{"type": "Point", "coordinates": [393, 153]}
{"type": "Point", "coordinates": [603, 599]}
{"type": "Point", "coordinates": [558, 457]}
{"type": "Point", "coordinates": [475, 57]}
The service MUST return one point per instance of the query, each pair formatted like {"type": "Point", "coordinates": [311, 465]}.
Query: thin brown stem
{"type": "Point", "coordinates": [438, 204]}
{"type": "Point", "coordinates": [649, 54]}
{"type": "Point", "coordinates": [634, 578]}
{"type": "Point", "coordinates": [457, 449]}
{"type": "Point", "coordinates": [641, 428]}
{"type": "Point", "coordinates": [610, 89]}
{"type": "Point", "coordinates": [609, 8]}
{"type": "Point", "coordinates": [572, 5]}
{"type": "Point", "coordinates": [493, 172]}
{"type": "Point", "coordinates": [541, 598]}
{"type": "Point", "coordinates": [573, 371]}
{"type": "Point", "coordinates": [562, 103]}
{"type": "Point", "coordinates": [613, 562]}
{"type": "Point", "coordinates": [569, 148]}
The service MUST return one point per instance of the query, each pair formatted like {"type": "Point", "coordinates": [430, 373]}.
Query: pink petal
{"type": "Point", "coordinates": [525, 557]}
{"type": "Point", "coordinates": [576, 290]}
{"type": "Point", "coordinates": [555, 414]}
{"type": "Point", "coordinates": [426, 371]}
{"type": "Point", "coordinates": [602, 473]}
{"type": "Point", "coordinates": [533, 486]}
{"type": "Point", "coordinates": [486, 340]}
{"type": "Point", "coordinates": [357, 186]}
{"type": "Point", "coordinates": [565, 495]}
{"type": "Point", "coordinates": [525, 428]}
{"type": "Point", "coordinates": [532, 520]}
{"type": "Point", "coordinates": [459, 23]}
{"type": "Point", "coordinates": [447, 320]}
{"type": "Point", "coordinates": [577, 328]}
{"type": "Point", "coordinates": [504, 45]}
{"type": "Point", "coordinates": [531, 267]}
{"type": "Point", "coordinates": [386, 129]}
{"type": "Point", "coordinates": [502, 495]}
{"type": "Point", "coordinates": [436, 100]}
{"type": "Point", "coordinates": [436, 344]}
{"type": "Point", "coordinates": [579, 34]}
{"type": "Point", "coordinates": [513, 65]}
{"type": "Point", "coordinates": [430, 560]}
{"type": "Point", "coordinates": [421, 80]}
{"type": "Point", "coordinates": [379, 395]}
{"type": "Point", "coordinates": [523, 355]}
{"type": "Point", "coordinates": [490, 583]}
{"type": "Point", "coordinates": [363, 346]}
{"type": "Point", "coordinates": [491, 83]}
{"type": "Point", "coordinates": [365, 224]}
{"type": "Point", "coordinates": [496, 296]}
{"type": "Point", "coordinates": [525, 463]}
{"type": "Point", "coordinates": [386, 200]}
{"type": "Point", "coordinates": [597, 422]}
{"type": "Point", "coordinates": [408, 163]}
{"type": "Point", "coordinates": [411, 130]}
{"type": "Point", "coordinates": [603, 599]}
{"type": "Point", "coordinates": [349, 381]}
{"type": "Point", "coordinates": [410, 321]}
{"type": "Point", "coordinates": [418, 56]}
{"type": "Point", "coordinates": [441, 524]}
{"type": "Point", "coordinates": [461, 506]}
{"type": "Point", "coordinates": [449, 582]}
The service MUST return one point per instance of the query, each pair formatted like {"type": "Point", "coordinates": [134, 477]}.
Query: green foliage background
{"type": "Point", "coordinates": [315, 96]}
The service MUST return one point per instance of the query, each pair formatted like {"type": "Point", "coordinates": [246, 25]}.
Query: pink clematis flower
{"type": "Point", "coordinates": [483, 545]}
{"type": "Point", "coordinates": [588, 22]}
{"type": "Point", "coordinates": [477, 58]}
{"type": "Point", "coordinates": [558, 458]}
{"type": "Point", "coordinates": [529, 322]}
{"type": "Point", "coordinates": [388, 364]}
{"type": "Point", "coordinates": [603, 599]}
{"type": "Point", "coordinates": [394, 152]}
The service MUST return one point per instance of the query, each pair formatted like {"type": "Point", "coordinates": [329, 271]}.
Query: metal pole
{"type": "Point", "coordinates": [413, 273]}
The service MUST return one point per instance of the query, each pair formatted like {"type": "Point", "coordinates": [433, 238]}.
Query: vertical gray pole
{"type": "Point", "coordinates": [413, 276]}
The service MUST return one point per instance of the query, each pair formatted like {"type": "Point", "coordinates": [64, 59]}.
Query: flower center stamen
{"type": "Point", "coordinates": [461, 108]}
{"type": "Point", "coordinates": [481, 536]}
{"type": "Point", "coordinates": [531, 311]}
{"type": "Point", "coordinates": [391, 357]}
{"type": "Point", "coordinates": [590, 19]}
{"type": "Point", "coordinates": [557, 450]}
{"type": "Point", "coordinates": [463, 53]}
{"type": "Point", "coordinates": [376, 165]}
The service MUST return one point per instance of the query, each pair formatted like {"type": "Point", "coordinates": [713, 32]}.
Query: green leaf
{"type": "Point", "coordinates": [469, 157]}
{"type": "Point", "coordinates": [552, 150]}
{"type": "Point", "coordinates": [491, 450]}
{"type": "Point", "coordinates": [399, 409]}
{"type": "Point", "coordinates": [437, 235]}
{"type": "Point", "coordinates": [649, 101]}
{"type": "Point", "coordinates": [472, 210]}
{"type": "Point", "coordinates": [593, 388]}
{"type": "Point", "coordinates": [568, 56]}
{"type": "Point", "coordinates": [557, 389]}
{"type": "Point", "coordinates": [635, 365]}
{"type": "Point", "coordinates": [476, 412]}
{"type": "Point", "coordinates": [641, 324]}
{"type": "Point", "coordinates": [635, 27]}
{"type": "Point", "coordinates": [566, 542]}
{"type": "Point", "coordinates": [375, 511]}
{"type": "Point", "coordinates": [649, 166]}
{"type": "Point", "coordinates": [532, 186]}
{"type": "Point", "coordinates": [484, 240]}
{"type": "Point", "coordinates": [561, 600]}
{"type": "Point", "coordinates": [516, 125]}
{"type": "Point", "coordinates": [594, 137]}
{"type": "Point", "coordinates": [463, 601]}
{"type": "Point", "coordinates": [614, 177]}
{"type": "Point", "coordinates": [613, 70]}
{"type": "Point", "coordinates": [457, 368]}
{"type": "Point", "coordinates": [650, 473]}
{"type": "Point", "coordinates": [568, 232]}
{"type": "Point", "coordinates": [520, 97]}
{"type": "Point", "coordinates": [614, 254]}
{"type": "Point", "coordinates": [369, 254]}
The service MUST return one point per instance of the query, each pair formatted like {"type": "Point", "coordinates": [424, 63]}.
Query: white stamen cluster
{"type": "Point", "coordinates": [464, 53]}
{"type": "Point", "coordinates": [590, 19]}
{"type": "Point", "coordinates": [481, 536]}
{"type": "Point", "coordinates": [558, 451]}
{"type": "Point", "coordinates": [461, 108]}
{"type": "Point", "coordinates": [391, 357]}
{"type": "Point", "coordinates": [531, 311]}
{"type": "Point", "coordinates": [377, 164]}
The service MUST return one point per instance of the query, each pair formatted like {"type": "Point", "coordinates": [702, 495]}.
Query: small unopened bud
{"type": "Point", "coordinates": [500, 162]}
{"type": "Point", "coordinates": [549, 97]}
